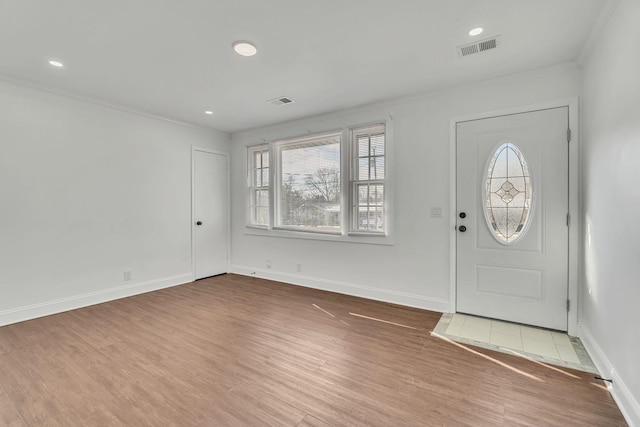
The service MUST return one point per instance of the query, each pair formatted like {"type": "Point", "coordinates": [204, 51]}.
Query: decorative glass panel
{"type": "Point", "coordinates": [508, 196]}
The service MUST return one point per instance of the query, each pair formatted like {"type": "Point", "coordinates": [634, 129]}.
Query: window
{"type": "Point", "coordinates": [332, 184]}
{"type": "Point", "coordinates": [508, 196]}
{"type": "Point", "coordinates": [367, 185]}
{"type": "Point", "coordinates": [308, 194]}
{"type": "Point", "coordinates": [259, 186]}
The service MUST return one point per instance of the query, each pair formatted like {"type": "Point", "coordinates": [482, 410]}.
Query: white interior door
{"type": "Point", "coordinates": [512, 217]}
{"type": "Point", "coordinates": [210, 213]}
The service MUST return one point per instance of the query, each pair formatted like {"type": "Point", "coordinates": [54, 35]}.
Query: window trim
{"type": "Point", "coordinates": [251, 189]}
{"type": "Point", "coordinates": [347, 234]}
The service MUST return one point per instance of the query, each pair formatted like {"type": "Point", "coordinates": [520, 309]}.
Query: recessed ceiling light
{"type": "Point", "coordinates": [244, 48]}
{"type": "Point", "coordinates": [56, 63]}
{"type": "Point", "coordinates": [476, 31]}
{"type": "Point", "coordinates": [208, 112]}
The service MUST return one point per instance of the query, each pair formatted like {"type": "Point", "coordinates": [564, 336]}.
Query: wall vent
{"type": "Point", "coordinates": [281, 100]}
{"type": "Point", "coordinates": [479, 46]}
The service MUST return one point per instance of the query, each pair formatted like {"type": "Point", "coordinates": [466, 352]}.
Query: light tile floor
{"type": "Point", "coordinates": [536, 343]}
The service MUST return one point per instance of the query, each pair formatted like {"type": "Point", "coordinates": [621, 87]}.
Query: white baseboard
{"type": "Point", "coordinates": [47, 308]}
{"type": "Point", "coordinates": [628, 404]}
{"type": "Point", "coordinates": [401, 298]}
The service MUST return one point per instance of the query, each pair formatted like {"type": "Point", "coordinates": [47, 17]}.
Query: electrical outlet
{"type": "Point", "coordinates": [299, 267]}
{"type": "Point", "coordinates": [436, 212]}
{"type": "Point", "coordinates": [127, 275]}
{"type": "Point", "coordinates": [267, 262]}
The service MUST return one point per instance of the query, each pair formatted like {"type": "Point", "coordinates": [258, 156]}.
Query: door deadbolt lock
{"type": "Point", "coordinates": [463, 215]}
{"type": "Point", "coordinates": [199, 223]}
{"type": "Point", "coordinates": [462, 228]}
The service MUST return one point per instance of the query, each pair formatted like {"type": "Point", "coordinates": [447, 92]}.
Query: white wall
{"type": "Point", "coordinates": [611, 124]}
{"type": "Point", "coordinates": [416, 269]}
{"type": "Point", "coordinates": [86, 192]}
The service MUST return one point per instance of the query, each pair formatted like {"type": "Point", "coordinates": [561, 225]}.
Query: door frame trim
{"type": "Point", "coordinates": [194, 149]}
{"type": "Point", "coordinates": [575, 236]}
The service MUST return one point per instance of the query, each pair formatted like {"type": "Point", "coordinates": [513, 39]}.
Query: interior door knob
{"type": "Point", "coordinates": [462, 228]}
{"type": "Point", "coordinates": [199, 223]}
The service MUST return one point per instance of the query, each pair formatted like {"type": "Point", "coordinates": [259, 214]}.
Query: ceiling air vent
{"type": "Point", "coordinates": [480, 46]}
{"type": "Point", "coordinates": [280, 100]}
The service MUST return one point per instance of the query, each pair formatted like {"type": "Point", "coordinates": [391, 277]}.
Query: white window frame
{"type": "Point", "coordinates": [278, 148]}
{"type": "Point", "coordinates": [347, 232]}
{"type": "Point", "coordinates": [355, 181]}
{"type": "Point", "coordinates": [253, 189]}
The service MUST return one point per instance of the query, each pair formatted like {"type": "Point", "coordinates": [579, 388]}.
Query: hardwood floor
{"type": "Point", "coordinates": [239, 351]}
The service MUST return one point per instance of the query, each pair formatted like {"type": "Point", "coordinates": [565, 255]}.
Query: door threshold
{"type": "Point", "coordinates": [538, 344]}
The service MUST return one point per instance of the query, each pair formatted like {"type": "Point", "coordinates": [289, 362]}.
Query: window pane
{"type": "Point", "coordinates": [377, 168]}
{"type": "Point", "coordinates": [376, 195]}
{"type": "Point", "coordinates": [377, 145]}
{"type": "Point", "coordinates": [370, 219]}
{"type": "Point", "coordinates": [368, 194]}
{"type": "Point", "coordinates": [363, 146]}
{"type": "Point", "coordinates": [515, 166]}
{"type": "Point", "coordinates": [260, 202]}
{"type": "Point", "coordinates": [262, 198]}
{"type": "Point", "coordinates": [363, 219]}
{"type": "Point", "coordinates": [378, 225]}
{"type": "Point", "coordinates": [363, 195]}
{"type": "Point", "coordinates": [262, 216]}
{"type": "Point", "coordinates": [507, 194]}
{"type": "Point", "coordinates": [500, 164]}
{"type": "Point", "coordinates": [310, 191]}
{"type": "Point", "coordinates": [363, 169]}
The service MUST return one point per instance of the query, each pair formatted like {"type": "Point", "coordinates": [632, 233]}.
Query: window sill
{"type": "Point", "coordinates": [257, 227]}
{"type": "Point", "coordinates": [352, 237]}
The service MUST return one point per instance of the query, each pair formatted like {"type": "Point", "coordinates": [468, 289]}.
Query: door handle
{"type": "Point", "coordinates": [462, 228]}
{"type": "Point", "coordinates": [199, 223]}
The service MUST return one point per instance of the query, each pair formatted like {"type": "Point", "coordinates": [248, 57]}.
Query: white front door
{"type": "Point", "coordinates": [210, 213]}
{"type": "Point", "coordinates": [512, 216]}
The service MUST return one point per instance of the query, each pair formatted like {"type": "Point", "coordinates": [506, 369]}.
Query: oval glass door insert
{"type": "Point", "coordinates": [508, 195]}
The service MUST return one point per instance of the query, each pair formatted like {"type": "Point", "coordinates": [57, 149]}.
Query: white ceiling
{"type": "Point", "coordinates": [173, 58]}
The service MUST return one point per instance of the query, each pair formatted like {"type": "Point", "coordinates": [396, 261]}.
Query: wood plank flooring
{"type": "Point", "coordinates": [240, 351]}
